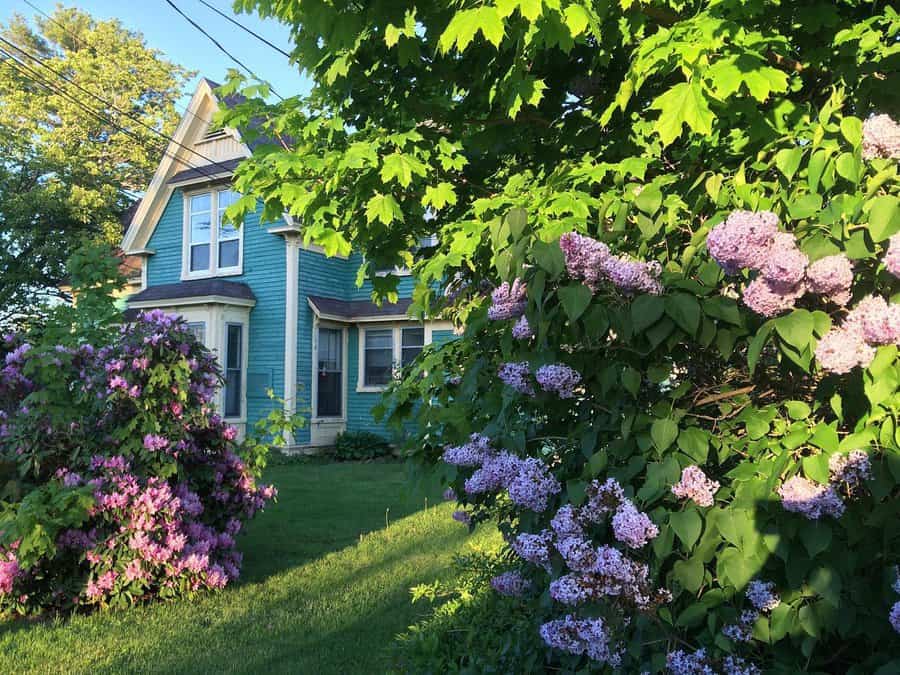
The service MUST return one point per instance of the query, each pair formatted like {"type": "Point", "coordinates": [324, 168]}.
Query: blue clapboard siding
{"type": "Point", "coordinates": [264, 270]}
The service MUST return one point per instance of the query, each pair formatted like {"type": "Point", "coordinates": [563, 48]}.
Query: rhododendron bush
{"type": "Point", "coordinates": [668, 236]}
{"type": "Point", "coordinates": [123, 483]}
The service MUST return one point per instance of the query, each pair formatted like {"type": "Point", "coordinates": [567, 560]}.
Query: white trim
{"type": "Point", "coordinates": [192, 125]}
{"type": "Point", "coordinates": [291, 302]}
{"type": "Point", "coordinates": [396, 348]}
{"type": "Point", "coordinates": [213, 270]}
{"type": "Point", "coordinates": [291, 227]}
{"type": "Point", "coordinates": [204, 179]}
{"type": "Point", "coordinates": [193, 300]}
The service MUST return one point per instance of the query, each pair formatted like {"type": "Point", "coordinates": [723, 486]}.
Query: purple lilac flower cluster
{"type": "Point", "coordinates": [695, 485]}
{"type": "Point", "coordinates": [511, 584]}
{"type": "Point", "coordinates": [472, 453]}
{"type": "Point", "coordinates": [881, 138]}
{"type": "Point", "coordinates": [508, 301]}
{"type": "Point", "coordinates": [681, 662]}
{"type": "Point", "coordinates": [559, 379]}
{"type": "Point", "coordinates": [872, 323]}
{"type": "Point", "coordinates": [894, 615]}
{"type": "Point", "coordinates": [591, 262]}
{"type": "Point", "coordinates": [762, 595]}
{"type": "Point", "coordinates": [850, 470]}
{"type": "Point", "coordinates": [522, 329]}
{"type": "Point", "coordinates": [516, 376]}
{"type": "Point", "coordinates": [582, 636]}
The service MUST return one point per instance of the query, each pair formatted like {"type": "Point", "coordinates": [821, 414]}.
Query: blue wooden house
{"type": "Point", "coordinates": [281, 315]}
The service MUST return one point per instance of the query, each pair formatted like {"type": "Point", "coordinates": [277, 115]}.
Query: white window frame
{"type": "Point", "coordinates": [214, 269]}
{"type": "Point", "coordinates": [396, 327]}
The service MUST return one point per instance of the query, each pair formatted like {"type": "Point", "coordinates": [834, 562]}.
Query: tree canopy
{"type": "Point", "coordinates": [680, 399]}
{"type": "Point", "coordinates": [73, 162]}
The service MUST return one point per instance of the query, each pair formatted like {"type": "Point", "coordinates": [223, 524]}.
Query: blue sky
{"type": "Point", "coordinates": [165, 30]}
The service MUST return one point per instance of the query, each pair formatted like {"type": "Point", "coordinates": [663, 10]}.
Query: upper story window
{"type": "Point", "coordinates": [212, 247]}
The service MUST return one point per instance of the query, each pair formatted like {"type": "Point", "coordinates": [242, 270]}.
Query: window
{"type": "Point", "coordinates": [378, 357]}
{"type": "Point", "coordinates": [412, 340]}
{"type": "Point", "coordinates": [234, 357]}
{"type": "Point", "coordinates": [198, 328]}
{"type": "Point", "coordinates": [330, 385]}
{"type": "Point", "coordinates": [229, 235]}
{"type": "Point", "coordinates": [201, 232]}
{"type": "Point", "coordinates": [214, 247]}
{"type": "Point", "coordinates": [384, 348]}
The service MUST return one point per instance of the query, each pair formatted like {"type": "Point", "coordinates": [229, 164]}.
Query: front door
{"type": "Point", "coordinates": [328, 420]}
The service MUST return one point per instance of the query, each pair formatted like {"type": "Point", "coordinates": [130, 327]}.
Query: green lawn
{"type": "Point", "coordinates": [325, 588]}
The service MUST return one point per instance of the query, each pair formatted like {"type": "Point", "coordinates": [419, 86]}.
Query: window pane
{"type": "Point", "coordinates": [412, 337]}
{"type": "Point", "coordinates": [229, 253]}
{"type": "Point", "coordinates": [198, 328]}
{"type": "Point", "coordinates": [409, 354]}
{"type": "Point", "coordinates": [379, 367]}
{"type": "Point", "coordinates": [199, 257]}
{"type": "Point", "coordinates": [380, 339]}
{"type": "Point", "coordinates": [330, 349]}
{"type": "Point", "coordinates": [227, 198]}
{"type": "Point", "coordinates": [233, 346]}
{"type": "Point", "coordinates": [232, 393]}
{"type": "Point", "coordinates": [200, 229]}
{"type": "Point", "coordinates": [328, 397]}
{"type": "Point", "coordinates": [200, 202]}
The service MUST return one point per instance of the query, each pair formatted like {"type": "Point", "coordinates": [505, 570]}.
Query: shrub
{"type": "Point", "coordinates": [357, 445]}
{"type": "Point", "coordinates": [124, 484]}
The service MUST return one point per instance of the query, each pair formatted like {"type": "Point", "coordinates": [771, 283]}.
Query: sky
{"type": "Point", "coordinates": [165, 30]}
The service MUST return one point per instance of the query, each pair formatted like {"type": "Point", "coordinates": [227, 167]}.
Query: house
{"type": "Point", "coordinates": [281, 315]}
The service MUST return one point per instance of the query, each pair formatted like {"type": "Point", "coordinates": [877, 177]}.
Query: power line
{"type": "Point", "coordinates": [34, 76]}
{"type": "Point", "coordinates": [107, 103]}
{"type": "Point", "coordinates": [81, 44]}
{"type": "Point", "coordinates": [243, 27]}
{"type": "Point", "coordinates": [221, 48]}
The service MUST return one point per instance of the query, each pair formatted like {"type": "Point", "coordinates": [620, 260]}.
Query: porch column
{"type": "Point", "coordinates": [292, 282]}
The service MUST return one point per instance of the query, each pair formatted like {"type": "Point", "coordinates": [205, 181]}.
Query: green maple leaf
{"type": "Point", "coordinates": [401, 167]}
{"type": "Point", "coordinates": [465, 24]}
{"type": "Point", "coordinates": [683, 104]}
{"type": "Point", "coordinates": [384, 208]}
{"type": "Point", "coordinates": [438, 196]}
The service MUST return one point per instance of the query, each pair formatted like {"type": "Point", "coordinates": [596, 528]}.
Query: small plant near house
{"type": "Point", "coordinates": [360, 445]}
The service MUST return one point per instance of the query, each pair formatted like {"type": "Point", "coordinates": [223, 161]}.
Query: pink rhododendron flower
{"type": "Point", "coordinates": [892, 257]}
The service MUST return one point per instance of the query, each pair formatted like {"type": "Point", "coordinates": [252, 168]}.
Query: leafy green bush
{"type": "Point", "coordinates": [681, 401]}
{"type": "Point", "coordinates": [357, 445]}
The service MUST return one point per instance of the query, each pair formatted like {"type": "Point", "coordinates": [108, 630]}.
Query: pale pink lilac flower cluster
{"type": "Point", "coordinates": [559, 379]}
{"type": "Point", "coordinates": [872, 323]}
{"type": "Point", "coordinates": [892, 257]}
{"type": "Point", "coordinates": [511, 584]}
{"type": "Point", "coordinates": [516, 375]}
{"type": "Point", "coordinates": [811, 500]}
{"type": "Point", "coordinates": [591, 262]}
{"type": "Point", "coordinates": [695, 485]}
{"type": "Point", "coordinates": [881, 138]}
{"type": "Point", "coordinates": [508, 301]}
{"type": "Point", "coordinates": [582, 636]}
{"type": "Point", "coordinates": [751, 240]}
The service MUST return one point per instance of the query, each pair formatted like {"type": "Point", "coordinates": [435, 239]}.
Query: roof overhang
{"type": "Point", "coordinates": [358, 311]}
{"type": "Point", "coordinates": [195, 300]}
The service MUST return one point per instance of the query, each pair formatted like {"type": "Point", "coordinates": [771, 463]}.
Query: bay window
{"type": "Point", "coordinates": [214, 247]}
{"type": "Point", "coordinates": [378, 357]}
{"type": "Point", "coordinates": [234, 359]}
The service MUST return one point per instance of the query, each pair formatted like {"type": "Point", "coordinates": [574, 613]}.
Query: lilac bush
{"type": "Point", "coordinates": [134, 487]}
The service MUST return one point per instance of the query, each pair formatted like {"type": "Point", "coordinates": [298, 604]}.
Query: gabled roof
{"type": "Point", "coordinates": [178, 158]}
{"type": "Point", "coordinates": [358, 310]}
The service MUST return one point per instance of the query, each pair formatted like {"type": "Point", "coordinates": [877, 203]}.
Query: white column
{"type": "Point", "coordinates": [292, 283]}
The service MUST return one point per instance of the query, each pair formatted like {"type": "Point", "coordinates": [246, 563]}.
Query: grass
{"type": "Point", "coordinates": [325, 588]}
